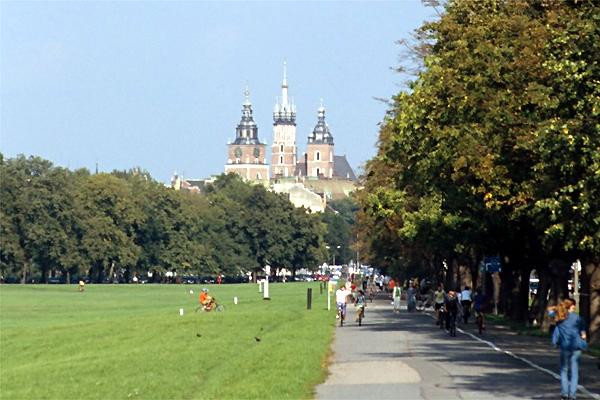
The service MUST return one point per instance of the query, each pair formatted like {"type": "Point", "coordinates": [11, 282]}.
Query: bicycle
{"type": "Point", "coordinates": [341, 311]}
{"type": "Point", "coordinates": [442, 317]}
{"type": "Point", "coordinates": [452, 324]}
{"type": "Point", "coordinates": [361, 314]}
{"type": "Point", "coordinates": [212, 306]}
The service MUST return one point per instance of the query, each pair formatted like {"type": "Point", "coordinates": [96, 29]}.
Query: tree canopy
{"type": "Point", "coordinates": [71, 223]}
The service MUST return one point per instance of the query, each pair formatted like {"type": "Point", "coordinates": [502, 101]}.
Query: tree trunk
{"type": "Point", "coordinates": [590, 298]}
{"type": "Point", "coordinates": [541, 302]}
{"type": "Point", "coordinates": [111, 271]}
{"type": "Point", "coordinates": [24, 273]}
{"type": "Point", "coordinates": [45, 274]}
{"type": "Point", "coordinates": [521, 311]}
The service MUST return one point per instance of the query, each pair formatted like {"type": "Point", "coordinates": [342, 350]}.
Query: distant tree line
{"type": "Point", "coordinates": [494, 151]}
{"type": "Point", "coordinates": [57, 222]}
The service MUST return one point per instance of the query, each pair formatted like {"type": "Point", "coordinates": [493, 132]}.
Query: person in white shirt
{"type": "Point", "coordinates": [341, 298]}
{"type": "Point", "coordinates": [465, 301]}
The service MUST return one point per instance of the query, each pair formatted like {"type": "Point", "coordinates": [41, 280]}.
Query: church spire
{"type": "Point", "coordinates": [284, 112]}
{"type": "Point", "coordinates": [247, 131]}
{"type": "Point", "coordinates": [247, 96]}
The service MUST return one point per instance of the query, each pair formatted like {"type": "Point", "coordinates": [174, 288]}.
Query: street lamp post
{"type": "Point", "coordinates": [334, 250]}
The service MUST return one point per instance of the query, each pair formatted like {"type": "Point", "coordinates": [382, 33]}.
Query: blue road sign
{"type": "Point", "coordinates": [492, 264]}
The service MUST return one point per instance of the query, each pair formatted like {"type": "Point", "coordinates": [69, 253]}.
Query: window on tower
{"type": "Point", "coordinates": [317, 156]}
{"type": "Point", "coordinates": [281, 148]}
{"type": "Point", "coordinates": [280, 159]}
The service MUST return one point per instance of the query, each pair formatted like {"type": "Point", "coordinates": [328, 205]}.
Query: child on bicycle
{"type": "Point", "coordinates": [360, 302]}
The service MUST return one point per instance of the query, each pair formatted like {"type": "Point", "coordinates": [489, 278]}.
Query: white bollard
{"type": "Point", "coordinates": [181, 311]}
{"type": "Point", "coordinates": [235, 300]}
{"type": "Point", "coordinates": [260, 286]}
{"type": "Point", "coordinates": [266, 291]}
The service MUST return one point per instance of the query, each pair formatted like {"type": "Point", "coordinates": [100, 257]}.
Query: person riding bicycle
{"type": "Point", "coordinates": [478, 305]}
{"type": "Point", "coordinates": [207, 302]}
{"type": "Point", "coordinates": [341, 298]}
{"type": "Point", "coordinates": [451, 305]}
{"type": "Point", "coordinates": [465, 301]}
{"type": "Point", "coordinates": [360, 302]}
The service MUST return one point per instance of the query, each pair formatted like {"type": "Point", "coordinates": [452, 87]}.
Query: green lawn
{"type": "Point", "coordinates": [129, 341]}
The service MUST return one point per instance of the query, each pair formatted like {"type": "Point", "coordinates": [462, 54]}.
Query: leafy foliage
{"type": "Point", "coordinates": [124, 224]}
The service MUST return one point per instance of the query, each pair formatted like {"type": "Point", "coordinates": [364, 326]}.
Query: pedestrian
{"type": "Point", "coordinates": [411, 301]}
{"type": "Point", "coordinates": [570, 336]}
{"type": "Point", "coordinates": [438, 298]}
{"type": "Point", "coordinates": [397, 295]}
{"type": "Point", "coordinates": [465, 301]}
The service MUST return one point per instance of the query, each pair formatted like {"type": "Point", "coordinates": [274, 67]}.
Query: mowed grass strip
{"type": "Point", "coordinates": [129, 341]}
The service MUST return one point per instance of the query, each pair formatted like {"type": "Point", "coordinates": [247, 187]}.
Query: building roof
{"type": "Point", "coordinates": [321, 133]}
{"type": "Point", "coordinates": [342, 169]}
{"type": "Point", "coordinates": [247, 131]}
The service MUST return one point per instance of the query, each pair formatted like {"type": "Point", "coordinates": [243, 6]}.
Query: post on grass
{"type": "Point", "coordinates": [329, 288]}
{"type": "Point", "coordinates": [320, 287]}
{"type": "Point", "coordinates": [266, 290]}
{"type": "Point", "coordinates": [308, 298]}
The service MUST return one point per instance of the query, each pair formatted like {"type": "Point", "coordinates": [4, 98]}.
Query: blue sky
{"type": "Point", "coordinates": [160, 84]}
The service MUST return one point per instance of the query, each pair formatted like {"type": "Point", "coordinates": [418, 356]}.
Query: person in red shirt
{"type": "Point", "coordinates": [219, 279]}
{"type": "Point", "coordinates": [206, 301]}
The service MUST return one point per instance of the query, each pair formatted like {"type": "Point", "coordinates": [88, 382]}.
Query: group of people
{"type": "Point", "coordinates": [350, 294]}
{"type": "Point", "coordinates": [455, 304]}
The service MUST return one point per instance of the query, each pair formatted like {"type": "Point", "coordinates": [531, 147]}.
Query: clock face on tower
{"type": "Point", "coordinates": [256, 152]}
{"type": "Point", "coordinates": [238, 152]}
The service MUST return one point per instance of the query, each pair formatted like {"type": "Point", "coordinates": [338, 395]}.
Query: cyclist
{"type": "Point", "coordinates": [438, 298]}
{"type": "Point", "coordinates": [465, 301]}
{"type": "Point", "coordinates": [207, 302]}
{"type": "Point", "coordinates": [478, 304]}
{"type": "Point", "coordinates": [452, 310]}
{"type": "Point", "coordinates": [340, 298]}
{"type": "Point", "coordinates": [360, 302]}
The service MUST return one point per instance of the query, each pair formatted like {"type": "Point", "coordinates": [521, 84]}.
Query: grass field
{"type": "Point", "coordinates": [129, 341]}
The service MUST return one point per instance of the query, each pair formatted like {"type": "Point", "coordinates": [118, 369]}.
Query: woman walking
{"type": "Point", "coordinates": [569, 335]}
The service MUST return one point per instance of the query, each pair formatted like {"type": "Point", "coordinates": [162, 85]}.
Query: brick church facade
{"type": "Point", "coordinates": [246, 156]}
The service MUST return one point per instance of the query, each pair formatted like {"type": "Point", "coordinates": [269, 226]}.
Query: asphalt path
{"type": "Point", "coordinates": [406, 356]}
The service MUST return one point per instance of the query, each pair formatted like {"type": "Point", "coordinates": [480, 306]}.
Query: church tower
{"type": "Point", "coordinates": [319, 150]}
{"type": "Point", "coordinates": [247, 156]}
{"type": "Point", "coordinates": [283, 151]}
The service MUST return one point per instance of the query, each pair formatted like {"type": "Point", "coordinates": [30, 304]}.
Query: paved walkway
{"type": "Point", "coordinates": [406, 356]}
